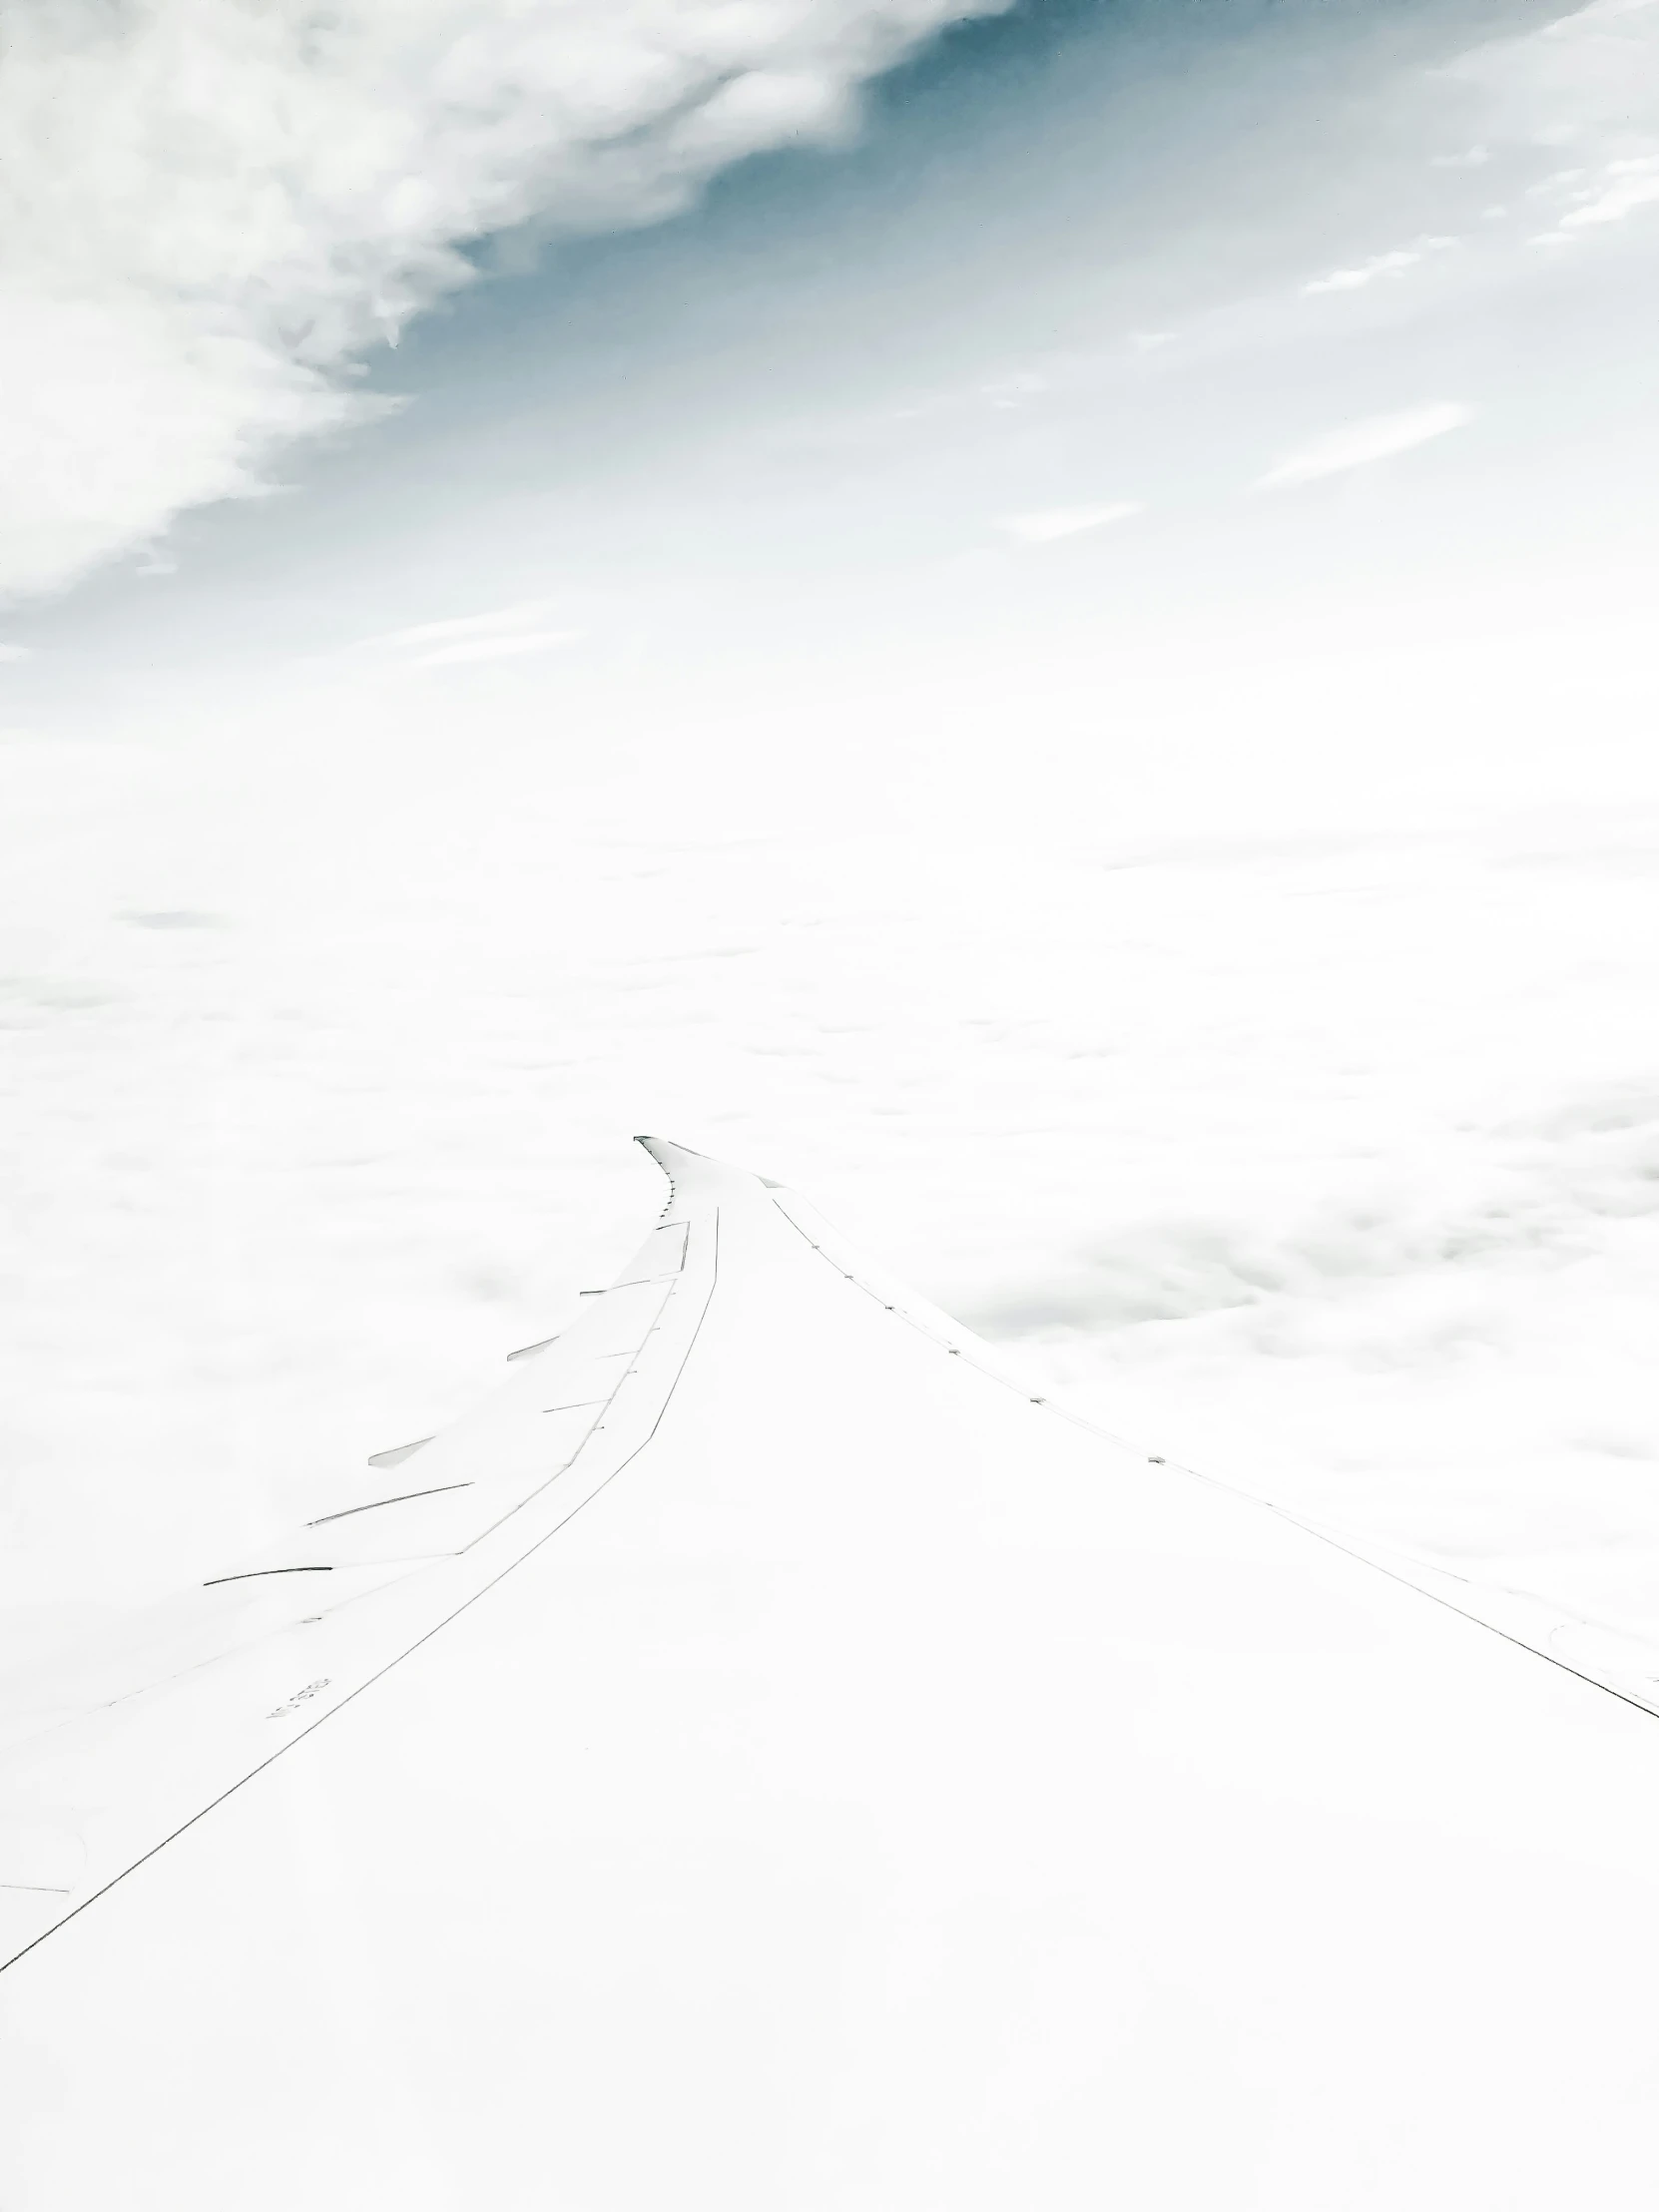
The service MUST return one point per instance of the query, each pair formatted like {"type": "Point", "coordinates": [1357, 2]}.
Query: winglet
{"type": "Point", "coordinates": [694, 1176]}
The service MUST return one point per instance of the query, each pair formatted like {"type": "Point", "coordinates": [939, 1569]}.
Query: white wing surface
{"type": "Point", "coordinates": [763, 1760]}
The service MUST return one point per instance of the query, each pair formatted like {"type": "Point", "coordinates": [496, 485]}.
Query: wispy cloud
{"type": "Point", "coordinates": [1358, 444]}
{"type": "Point", "coordinates": [1048, 523]}
{"type": "Point", "coordinates": [1625, 185]}
{"type": "Point", "coordinates": [214, 210]}
{"type": "Point", "coordinates": [505, 633]}
{"type": "Point", "coordinates": [524, 614]}
{"type": "Point", "coordinates": [1380, 265]}
{"type": "Point", "coordinates": [1588, 82]}
{"type": "Point", "coordinates": [1608, 195]}
{"type": "Point", "coordinates": [497, 648]}
{"type": "Point", "coordinates": [13, 652]}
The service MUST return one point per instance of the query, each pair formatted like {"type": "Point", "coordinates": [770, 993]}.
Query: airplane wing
{"type": "Point", "coordinates": [766, 1757]}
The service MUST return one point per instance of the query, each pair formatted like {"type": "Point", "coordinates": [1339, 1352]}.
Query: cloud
{"type": "Point", "coordinates": [1380, 265]}
{"type": "Point", "coordinates": [1066, 522]}
{"type": "Point", "coordinates": [215, 207]}
{"type": "Point", "coordinates": [523, 614]}
{"type": "Point", "coordinates": [1623, 187]}
{"type": "Point", "coordinates": [1358, 444]}
{"type": "Point", "coordinates": [505, 633]}
{"type": "Point", "coordinates": [1608, 195]}
{"type": "Point", "coordinates": [499, 648]}
{"type": "Point", "coordinates": [13, 653]}
{"type": "Point", "coordinates": [1588, 80]}
{"type": "Point", "coordinates": [1585, 86]}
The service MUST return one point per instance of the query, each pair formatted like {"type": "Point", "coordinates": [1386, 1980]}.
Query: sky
{"type": "Point", "coordinates": [1032, 620]}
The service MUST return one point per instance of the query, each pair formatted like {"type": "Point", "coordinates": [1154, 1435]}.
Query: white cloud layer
{"type": "Point", "coordinates": [210, 209]}
{"type": "Point", "coordinates": [1358, 444]}
{"type": "Point", "coordinates": [1325, 1155]}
